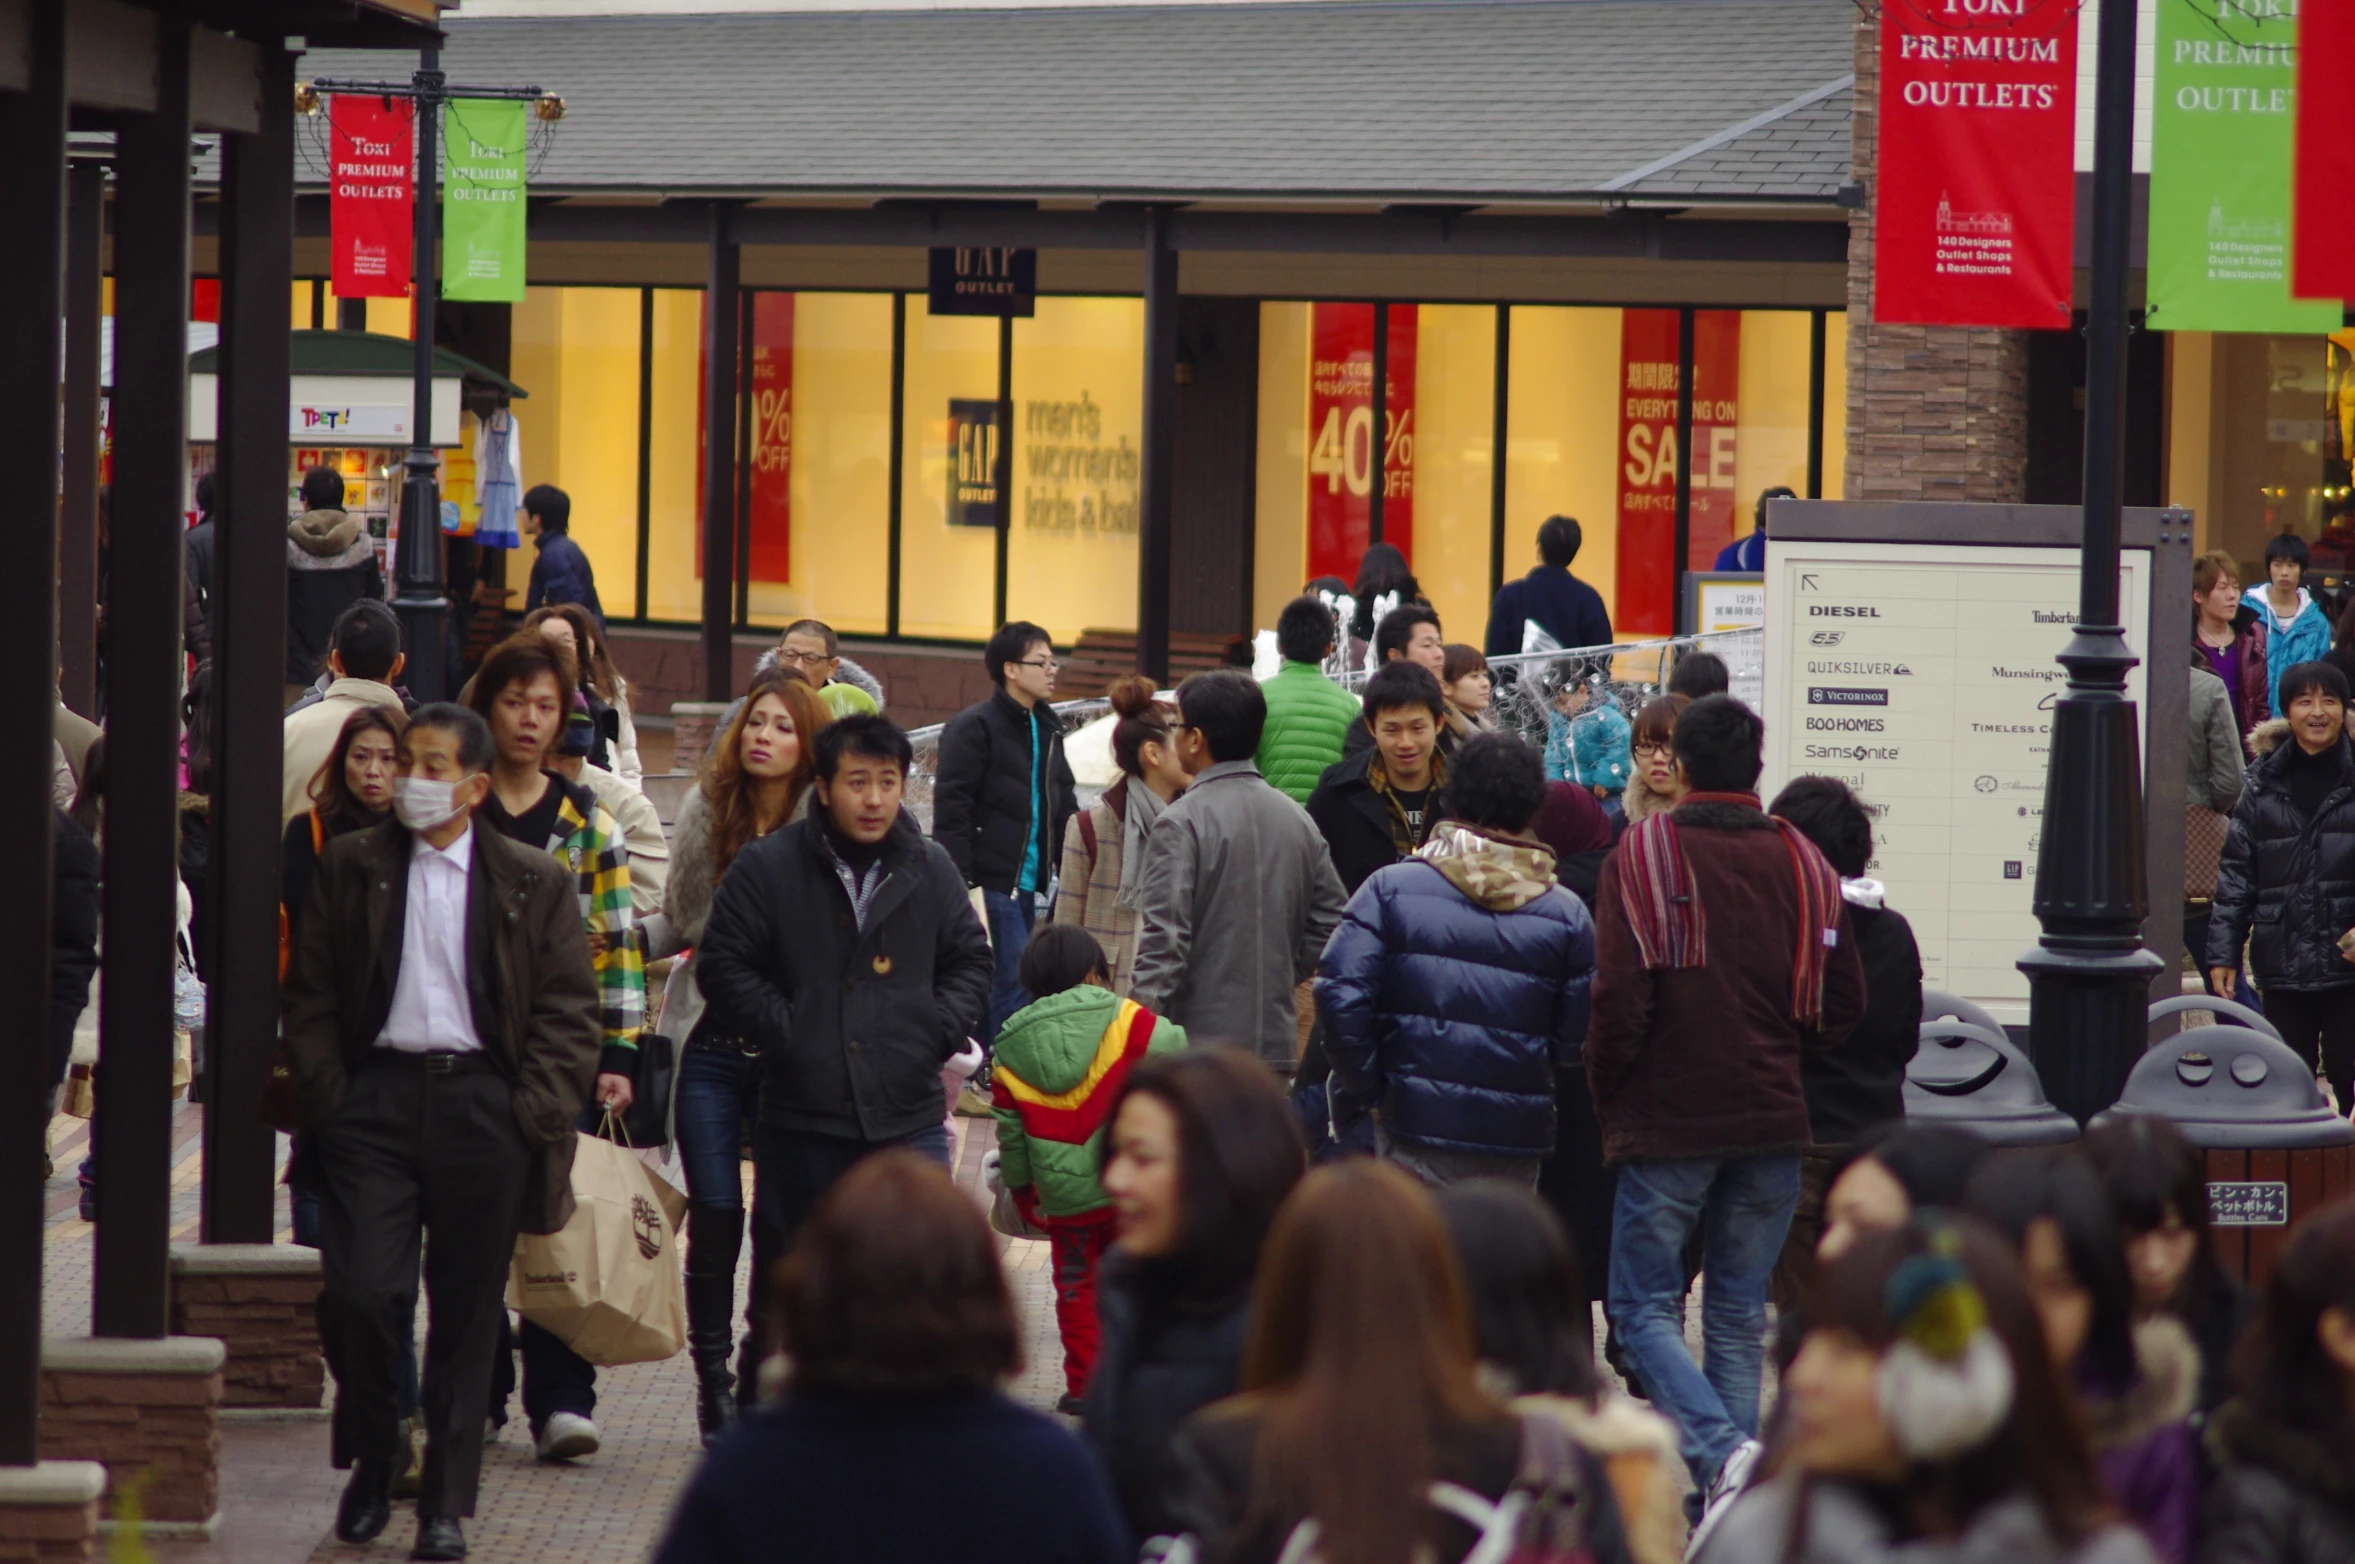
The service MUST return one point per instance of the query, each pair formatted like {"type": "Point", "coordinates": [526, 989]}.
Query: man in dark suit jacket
{"type": "Point", "coordinates": [441, 1033]}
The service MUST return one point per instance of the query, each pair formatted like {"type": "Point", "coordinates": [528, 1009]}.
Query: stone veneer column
{"type": "Point", "coordinates": [49, 1512]}
{"type": "Point", "coordinates": [1934, 412]}
{"type": "Point", "coordinates": [261, 1301]}
{"type": "Point", "coordinates": [149, 1410]}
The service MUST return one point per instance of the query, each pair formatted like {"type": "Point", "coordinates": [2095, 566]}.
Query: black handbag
{"type": "Point", "coordinates": [648, 1120]}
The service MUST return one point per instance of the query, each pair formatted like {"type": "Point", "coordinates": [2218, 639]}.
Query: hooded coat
{"type": "Point", "coordinates": [2285, 885]}
{"type": "Point", "coordinates": [1058, 1067]}
{"type": "Point", "coordinates": [1454, 987]}
{"type": "Point", "coordinates": [2307, 638]}
{"type": "Point", "coordinates": [330, 565]}
{"type": "Point", "coordinates": [2281, 1494]}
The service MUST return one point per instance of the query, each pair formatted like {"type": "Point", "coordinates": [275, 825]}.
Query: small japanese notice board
{"type": "Point", "coordinates": [1922, 675]}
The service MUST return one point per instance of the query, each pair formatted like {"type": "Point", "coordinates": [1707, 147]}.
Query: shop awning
{"type": "Point", "coordinates": [367, 353]}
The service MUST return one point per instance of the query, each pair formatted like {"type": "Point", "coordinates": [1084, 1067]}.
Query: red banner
{"type": "Point", "coordinates": [2322, 219]}
{"type": "Point", "coordinates": [765, 485]}
{"type": "Point", "coordinates": [370, 209]}
{"type": "Point", "coordinates": [1341, 437]}
{"type": "Point", "coordinates": [1646, 571]}
{"type": "Point", "coordinates": [1975, 200]}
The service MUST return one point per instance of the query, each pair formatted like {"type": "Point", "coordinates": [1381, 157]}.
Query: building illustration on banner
{"type": "Point", "coordinates": [1986, 224]}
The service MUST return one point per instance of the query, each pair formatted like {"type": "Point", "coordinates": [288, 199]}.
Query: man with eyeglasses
{"type": "Point", "coordinates": [1000, 798]}
{"type": "Point", "coordinates": [810, 649]}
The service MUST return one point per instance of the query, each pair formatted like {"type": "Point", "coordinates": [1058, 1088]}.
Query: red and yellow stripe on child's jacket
{"type": "Point", "coordinates": [1058, 1066]}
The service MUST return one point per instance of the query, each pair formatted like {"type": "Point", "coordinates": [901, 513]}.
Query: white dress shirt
{"type": "Point", "coordinates": [430, 1010]}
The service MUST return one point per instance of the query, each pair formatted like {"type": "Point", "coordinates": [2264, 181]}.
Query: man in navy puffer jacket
{"type": "Point", "coordinates": [1457, 982]}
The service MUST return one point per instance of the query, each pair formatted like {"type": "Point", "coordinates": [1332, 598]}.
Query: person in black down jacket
{"type": "Point", "coordinates": [2288, 875]}
{"type": "Point", "coordinates": [1202, 1149]}
{"type": "Point", "coordinates": [2285, 1489]}
{"type": "Point", "coordinates": [1457, 981]}
{"type": "Point", "coordinates": [843, 948]}
{"type": "Point", "coordinates": [1858, 1087]}
{"type": "Point", "coordinates": [1001, 795]}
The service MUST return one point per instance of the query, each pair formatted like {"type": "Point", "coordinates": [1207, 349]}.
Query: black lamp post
{"type": "Point", "coordinates": [2089, 977]}
{"type": "Point", "coordinates": [420, 596]}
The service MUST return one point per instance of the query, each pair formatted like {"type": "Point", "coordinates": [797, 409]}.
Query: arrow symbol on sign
{"type": "Point", "coordinates": [1807, 583]}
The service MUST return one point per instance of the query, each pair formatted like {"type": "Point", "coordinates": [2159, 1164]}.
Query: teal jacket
{"type": "Point", "coordinates": [1059, 1064]}
{"type": "Point", "coordinates": [1308, 717]}
{"type": "Point", "coordinates": [2307, 638]}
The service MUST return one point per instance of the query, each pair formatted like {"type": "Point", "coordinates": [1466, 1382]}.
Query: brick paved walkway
{"type": "Point", "coordinates": [279, 1492]}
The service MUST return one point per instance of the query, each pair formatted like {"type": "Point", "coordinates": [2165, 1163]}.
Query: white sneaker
{"type": "Point", "coordinates": [1724, 1489]}
{"type": "Point", "coordinates": [569, 1435]}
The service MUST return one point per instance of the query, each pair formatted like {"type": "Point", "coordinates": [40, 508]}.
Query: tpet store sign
{"type": "Point", "coordinates": [354, 421]}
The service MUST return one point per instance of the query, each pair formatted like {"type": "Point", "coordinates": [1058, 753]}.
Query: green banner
{"type": "Point", "coordinates": [482, 199]}
{"type": "Point", "coordinates": [2222, 105]}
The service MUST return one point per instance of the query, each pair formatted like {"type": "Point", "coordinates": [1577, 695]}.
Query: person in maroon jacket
{"type": "Point", "coordinates": [1722, 950]}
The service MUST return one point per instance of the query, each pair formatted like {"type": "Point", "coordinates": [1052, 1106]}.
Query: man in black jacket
{"type": "Point", "coordinates": [1859, 1086]}
{"type": "Point", "coordinates": [1375, 807]}
{"type": "Point", "coordinates": [844, 948]}
{"type": "Point", "coordinates": [1000, 798]}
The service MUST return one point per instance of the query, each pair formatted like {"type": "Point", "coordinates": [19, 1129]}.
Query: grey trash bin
{"type": "Point", "coordinates": [2275, 1150]}
{"type": "Point", "coordinates": [1977, 1079]}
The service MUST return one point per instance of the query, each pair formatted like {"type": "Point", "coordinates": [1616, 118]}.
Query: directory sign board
{"type": "Point", "coordinates": [1922, 675]}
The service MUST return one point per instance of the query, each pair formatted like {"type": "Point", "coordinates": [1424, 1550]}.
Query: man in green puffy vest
{"type": "Point", "coordinates": [1308, 715]}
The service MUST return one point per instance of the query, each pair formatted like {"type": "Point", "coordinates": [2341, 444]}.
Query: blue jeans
{"type": "Point", "coordinates": [793, 1169]}
{"type": "Point", "coordinates": [1010, 921]}
{"type": "Point", "coordinates": [1745, 1205]}
{"type": "Point", "coordinates": [718, 1102]}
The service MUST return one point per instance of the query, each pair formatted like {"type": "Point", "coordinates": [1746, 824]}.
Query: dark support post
{"type": "Point", "coordinates": [1002, 468]}
{"type": "Point", "coordinates": [741, 462]}
{"type": "Point", "coordinates": [420, 595]}
{"type": "Point", "coordinates": [722, 294]}
{"type": "Point", "coordinates": [2089, 977]}
{"type": "Point", "coordinates": [1815, 388]}
{"type": "Point", "coordinates": [77, 522]}
{"type": "Point", "coordinates": [32, 192]}
{"type": "Point", "coordinates": [1377, 459]}
{"type": "Point", "coordinates": [1500, 428]}
{"type": "Point", "coordinates": [249, 662]}
{"type": "Point", "coordinates": [1684, 456]}
{"type": "Point", "coordinates": [645, 444]}
{"type": "Point", "coordinates": [899, 392]}
{"type": "Point", "coordinates": [133, 1130]}
{"type": "Point", "coordinates": [1157, 491]}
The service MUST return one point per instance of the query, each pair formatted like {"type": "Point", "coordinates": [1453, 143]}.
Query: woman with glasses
{"type": "Point", "coordinates": [1657, 784]}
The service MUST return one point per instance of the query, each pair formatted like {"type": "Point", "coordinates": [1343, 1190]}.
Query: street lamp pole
{"type": "Point", "coordinates": [2089, 976]}
{"type": "Point", "coordinates": [420, 594]}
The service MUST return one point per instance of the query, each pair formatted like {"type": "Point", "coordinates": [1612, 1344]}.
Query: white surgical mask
{"type": "Point", "coordinates": [421, 804]}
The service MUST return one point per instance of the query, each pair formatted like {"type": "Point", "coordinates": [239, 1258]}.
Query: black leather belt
{"type": "Point", "coordinates": [467, 1063]}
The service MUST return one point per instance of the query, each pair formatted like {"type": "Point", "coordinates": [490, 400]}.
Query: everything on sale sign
{"type": "Point", "coordinates": [372, 146]}
{"type": "Point", "coordinates": [1975, 198]}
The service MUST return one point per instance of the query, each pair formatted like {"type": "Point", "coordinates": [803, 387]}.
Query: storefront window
{"type": "Point", "coordinates": [821, 460]}
{"type": "Point", "coordinates": [1835, 405]}
{"type": "Point", "coordinates": [2276, 444]}
{"type": "Point", "coordinates": [948, 503]}
{"type": "Point", "coordinates": [1563, 436]}
{"type": "Point", "coordinates": [576, 351]}
{"type": "Point", "coordinates": [1772, 447]}
{"type": "Point", "coordinates": [1071, 557]}
{"type": "Point", "coordinates": [1452, 441]}
{"type": "Point", "coordinates": [674, 460]}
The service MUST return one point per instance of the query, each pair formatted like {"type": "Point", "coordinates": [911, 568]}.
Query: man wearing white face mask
{"type": "Point", "coordinates": [441, 1030]}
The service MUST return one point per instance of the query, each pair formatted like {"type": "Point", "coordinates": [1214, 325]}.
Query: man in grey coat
{"type": "Point", "coordinates": [1239, 891]}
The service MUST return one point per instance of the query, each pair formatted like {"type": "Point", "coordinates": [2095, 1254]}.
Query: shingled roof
{"type": "Point", "coordinates": [1362, 100]}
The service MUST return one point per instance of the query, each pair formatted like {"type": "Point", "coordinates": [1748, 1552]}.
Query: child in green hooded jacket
{"type": "Point", "coordinates": [1058, 1067]}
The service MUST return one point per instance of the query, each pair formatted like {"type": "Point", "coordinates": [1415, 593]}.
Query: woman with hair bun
{"type": "Point", "coordinates": [1104, 846]}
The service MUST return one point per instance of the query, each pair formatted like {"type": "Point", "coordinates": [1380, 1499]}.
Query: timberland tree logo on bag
{"type": "Point", "coordinates": [646, 1225]}
{"type": "Point", "coordinates": [550, 1278]}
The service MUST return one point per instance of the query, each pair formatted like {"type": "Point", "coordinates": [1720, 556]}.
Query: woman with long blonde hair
{"type": "Point", "coordinates": [756, 778]}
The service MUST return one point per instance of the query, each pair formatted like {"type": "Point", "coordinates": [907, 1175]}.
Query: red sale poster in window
{"type": "Point", "coordinates": [1341, 460]}
{"type": "Point", "coordinates": [764, 485]}
{"type": "Point", "coordinates": [370, 201]}
{"type": "Point", "coordinates": [1974, 205]}
{"type": "Point", "coordinates": [1649, 456]}
{"type": "Point", "coordinates": [2322, 219]}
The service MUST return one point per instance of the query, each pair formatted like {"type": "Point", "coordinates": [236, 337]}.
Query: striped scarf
{"type": "Point", "coordinates": [1671, 927]}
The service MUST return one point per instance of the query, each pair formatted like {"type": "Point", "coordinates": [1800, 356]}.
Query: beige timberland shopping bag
{"type": "Point", "coordinates": [609, 1284]}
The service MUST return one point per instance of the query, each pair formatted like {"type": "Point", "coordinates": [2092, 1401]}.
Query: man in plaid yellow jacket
{"type": "Point", "coordinates": [524, 692]}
